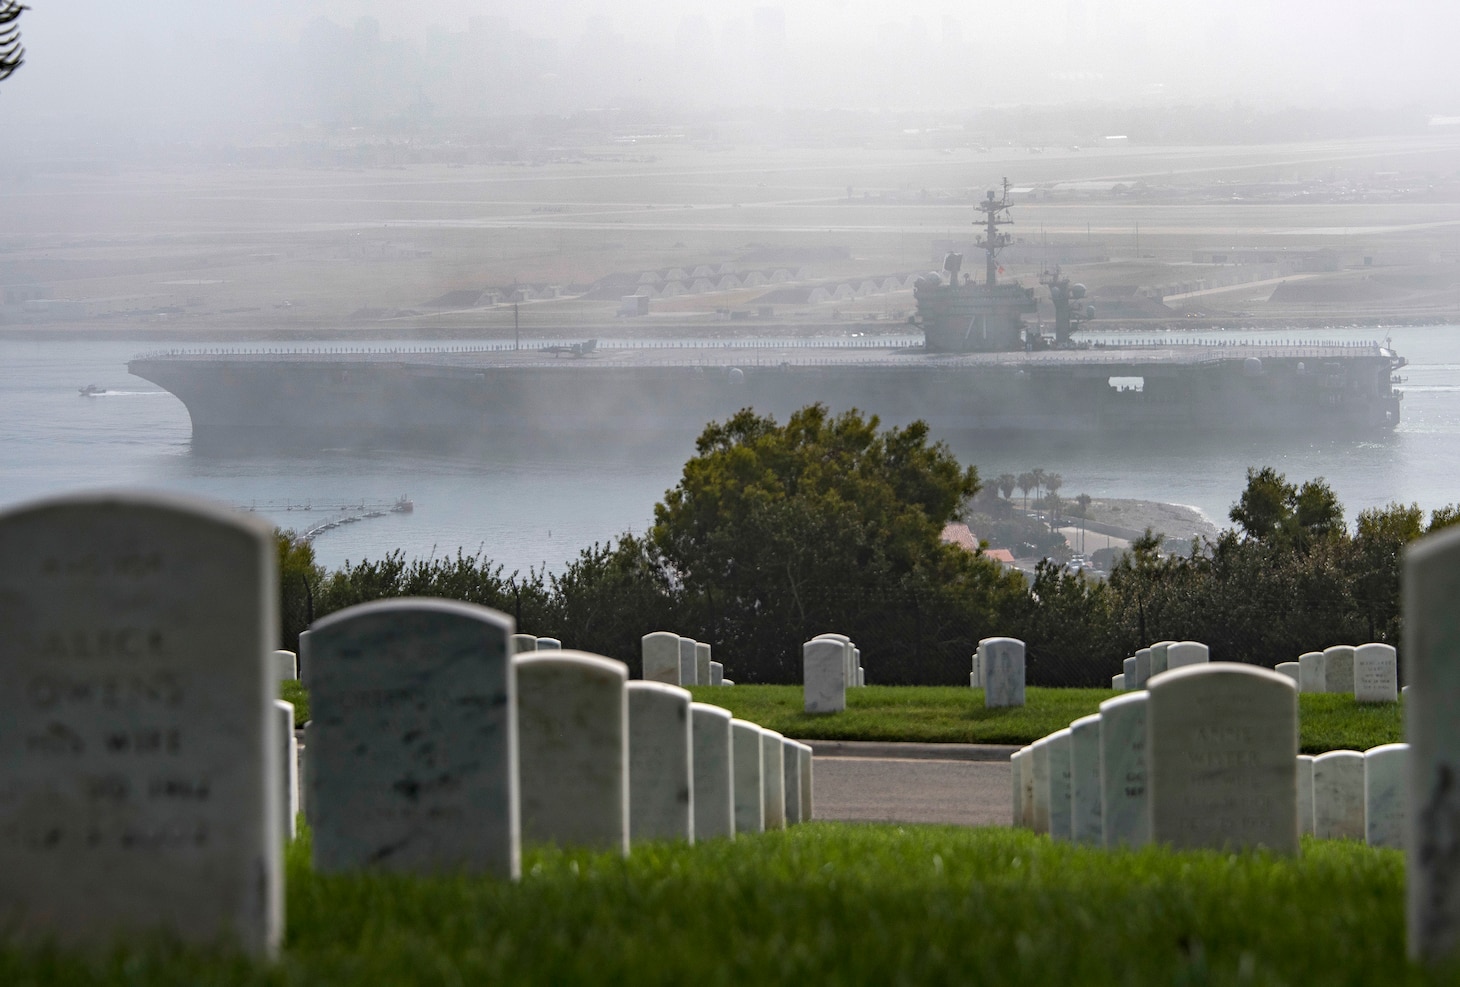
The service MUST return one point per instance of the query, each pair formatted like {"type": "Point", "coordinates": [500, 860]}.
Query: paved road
{"type": "Point", "coordinates": [921, 790]}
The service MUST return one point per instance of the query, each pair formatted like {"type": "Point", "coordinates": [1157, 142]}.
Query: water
{"type": "Point", "coordinates": [528, 510]}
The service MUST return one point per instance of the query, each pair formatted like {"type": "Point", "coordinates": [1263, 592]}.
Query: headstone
{"type": "Point", "coordinates": [661, 782]}
{"type": "Point", "coordinates": [660, 653]}
{"type": "Point", "coordinates": [1159, 656]}
{"type": "Point", "coordinates": [791, 770]}
{"type": "Point", "coordinates": [1292, 670]}
{"type": "Point", "coordinates": [1386, 770]}
{"type": "Point", "coordinates": [1338, 796]}
{"type": "Point", "coordinates": [1130, 676]}
{"type": "Point", "coordinates": [807, 802]}
{"type": "Point", "coordinates": [973, 680]}
{"type": "Point", "coordinates": [1184, 653]}
{"type": "Point", "coordinates": [1222, 744]}
{"type": "Point", "coordinates": [139, 756]}
{"type": "Point", "coordinates": [306, 769]}
{"type": "Point", "coordinates": [688, 668]}
{"type": "Point", "coordinates": [1016, 777]}
{"type": "Point", "coordinates": [1376, 674]}
{"type": "Point", "coordinates": [773, 779]}
{"type": "Point", "coordinates": [303, 651]}
{"type": "Point", "coordinates": [1311, 672]}
{"type": "Point", "coordinates": [1039, 761]}
{"type": "Point", "coordinates": [521, 643]}
{"type": "Point", "coordinates": [412, 739]}
{"type": "Point", "coordinates": [702, 663]}
{"type": "Point", "coordinates": [1338, 669]}
{"type": "Point", "coordinates": [289, 769]}
{"type": "Point", "coordinates": [286, 666]}
{"type": "Point", "coordinates": [975, 677]}
{"type": "Point", "coordinates": [717, 673]}
{"type": "Point", "coordinates": [549, 644]}
{"type": "Point", "coordinates": [572, 721]}
{"type": "Point", "coordinates": [857, 664]}
{"type": "Point", "coordinates": [1143, 669]}
{"type": "Point", "coordinates": [725, 681]}
{"type": "Point", "coordinates": [1026, 800]}
{"type": "Point", "coordinates": [1430, 585]}
{"type": "Point", "coordinates": [823, 671]}
{"type": "Point", "coordinates": [748, 766]}
{"type": "Point", "coordinates": [1123, 799]}
{"type": "Point", "coordinates": [1085, 826]}
{"type": "Point", "coordinates": [1003, 672]}
{"type": "Point", "coordinates": [861, 676]}
{"type": "Point", "coordinates": [1117, 682]}
{"type": "Point", "coordinates": [1305, 794]}
{"type": "Point", "coordinates": [714, 798]}
{"type": "Point", "coordinates": [1059, 784]}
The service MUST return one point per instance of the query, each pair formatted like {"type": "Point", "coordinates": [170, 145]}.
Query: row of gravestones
{"type": "Point", "coordinates": [681, 661]}
{"type": "Point", "coordinates": [1159, 657]}
{"type": "Point", "coordinates": [998, 669]}
{"type": "Point", "coordinates": [1369, 672]}
{"type": "Point", "coordinates": [144, 757]}
{"type": "Point", "coordinates": [830, 665]}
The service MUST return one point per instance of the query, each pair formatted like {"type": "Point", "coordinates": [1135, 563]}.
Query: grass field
{"type": "Point", "coordinates": [825, 903]}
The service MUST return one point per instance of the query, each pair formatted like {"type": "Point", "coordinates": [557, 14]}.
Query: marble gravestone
{"type": "Point", "coordinates": [519, 643]}
{"type": "Point", "coordinates": [661, 750]}
{"type": "Point", "coordinates": [1159, 656]}
{"type": "Point", "coordinates": [1385, 776]}
{"type": "Point", "coordinates": [1059, 784]}
{"type": "Point", "coordinates": [289, 768]}
{"type": "Point", "coordinates": [773, 779]}
{"type": "Point", "coordinates": [413, 739]}
{"type": "Point", "coordinates": [824, 672]}
{"type": "Point", "coordinates": [1338, 796]}
{"type": "Point", "coordinates": [1085, 825]}
{"type": "Point", "coordinates": [1123, 803]}
{"type": "Point", "coordinates": [1117, 682]}
{"type": "Point", "coordinates": [1184, 653]}
{"type": "Point", "coordinates": [1003, 672]}
{"type": "Point", "coordinates": [1016, 779]}
{"type": "Point", "coordinates": [717, 673]}
{"type": "Point", "coordinates": [1338, 669]}
{"type": "Point", "coordinates": [849, 672]}
{"type": "Point", "coordinates": [1039, 773]}
{"type": "Point", "coordinates": [807, 802]}
{"type": "Point", "coordinates": [303, 652]}
{"type": "Point", "coordinates": [1129, 677]}
{"type": "Point", "coordinates": [1222, 764]}
{"type": "Point", "coordinates": [687, 664]}
{"type": "Point", "coordinates": [1292, 670]}
{"type": "Point", "coordinates": [791, 772]}
{"type": "Point", "coordinates": [714, 794]}
{"type": "Point", "coordinates": [1305, 794]}
{"type": "Point", "coordinates": [549, 644]}
{"type": "Point", "coordinates": [572, 722]}
{"type": "Point", "coordinates": [748, 767]}
{"type": "Point", "coordinates": [659, 652]}
{"type": "Point", "coordinates": [702, 663]}
{"type": "Point", "coordinates": [1142, 669]}
{"type": "Point", "coordinates": [1376, 674]}
{"type": "Point", "coordinates": [1311, 673]}
{"type": "Point", "coordinates": [286, 665]}
{"type": "Point", "coordinates": [139, 747]}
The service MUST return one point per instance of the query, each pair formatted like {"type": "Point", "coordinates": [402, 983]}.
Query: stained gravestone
{"type": "Point", "coordinates": [702, 663]}
{"type": "Point", "coordinates": [1117, 682]}
{"type": "Point", "coordinates": [717, 673]}
{"type": "Point", "coordinates": [1129, 676]}
{"type": "Point", "coordinates": [1142, 669]}
{"type": "Point", "coordinates": [549, 644]}
{"type": "Point", "coordinates": [1184, 653]}
{"type": "Point", "coordinates": [660, 654]}
{"type": "Point", "coordinates": [139, 747]}
{"type": "Point", "coordinates": [661, 782]}
{"type": "Point", "coordinates": [746, 762]}
{"type": "Point", "coordinates": [1338, 795]}
{"type": "Point", "coordinates": [1003, 672]}
{"type": "Point", "coordinates": [413, 739]}
{"type": "Point", "coordinates": [1016, 778]}
{"type": "Point", "coordinates": [286, 665]}
{"type": "Point", "coordinates": [807, 802]}
{"type": "Point", "coordinates": [849, 674]}
{"type": "Point", "coordinates": [773, 779]}
{"type": "Point", "coordinates": [1222, 746]}
{"type": "Point", "coordinates": [1059, 784]}
{"type": "Point", "coordinates": [687, 665]}
{"type": "Point", "coordinates": [1376, 674]}
{"type": "Point", "coordinates": [791, 772]}
{"type": "Point", "coordinates": [1124, 818]}
{"type": "Point", "coordinates": [1085, 826]}
{"type": "Point", "coordinates": [1430, 585]}
{"type": "Point", "coordinates": [572, 720]}
{"type": "Point", "coordinates": [824, 674]}
{"type": "Point", "coordinates": [520, 643]}
{"type": "Point", "coordinates": [1039, 761]}
{"type": "Point", "coordinates": [1385, 776]}
{"type": "Point", "coordinates": [714, 798]}
{"type": "Point", "coordinates": [1338, 669]}
{"type": "Point", "coordinates": [289, 767]}
{"type": "Point", "coordinates": [1159, 656]}
{"type": "Point", "coordinates": [1292, 670]}
{"type": "Point", "coordinates": [1305, 794]}
{"type": "Point", "coordinates": [1311, 673]}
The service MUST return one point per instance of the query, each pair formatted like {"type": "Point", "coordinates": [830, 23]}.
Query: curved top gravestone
{"type": "Point", "coordinates": [139, 770]}
{"type": "Point", "coordinates": [660, 652]}
{"type": "Point", "coordinates": [1184, 653]}
{"type": "Point", "coordinates": [1003, 671]}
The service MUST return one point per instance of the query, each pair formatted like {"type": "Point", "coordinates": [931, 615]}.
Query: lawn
{"type": "Point", "coordinates": [825, 903]}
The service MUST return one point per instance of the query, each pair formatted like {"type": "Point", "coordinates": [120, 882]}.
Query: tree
{"type": "Point", "coordinates": [1037, 475]}
{"type": "Point", "coordinates": [1052, 484]}
{"type": "Point", "coordinates": [1006, 484]}
{"type": "Point", "coordinates": [1273, 510]}
{"type": "Point", "coordinates": [299, 577]}
{"type": "Point", "coordinates": [1025, 482]}
{"type": "Point", "coordinates": [12, 52]}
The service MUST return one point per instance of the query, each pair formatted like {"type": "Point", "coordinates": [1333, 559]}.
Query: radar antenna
{"type": "Point", "coordinates": [996, 214]}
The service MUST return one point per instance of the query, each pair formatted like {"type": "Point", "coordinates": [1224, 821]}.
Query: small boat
{"type": "Point", "coordinates": [91, 391]}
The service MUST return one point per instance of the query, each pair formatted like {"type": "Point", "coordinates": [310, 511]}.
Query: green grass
{"type": "Point", "coordinates": [824, 903]}
{"type": "Point", "coordinates": [292, 691]}
{"type": "Point", "coordinates": [949, 714]}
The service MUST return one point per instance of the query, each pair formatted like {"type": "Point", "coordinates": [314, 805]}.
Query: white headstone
{"type": "Point", "coordinates": [660, 653]}
{"type": "Point", "coordinates": [1305, 794]}
{"type": "Point", "coordinates": [1117, 682]}
{"type": "Point", "coordinates": [1129, 677]}
{"type": "Point", "coordinates": [714, 798]}
{"type": "Point", "coordinates": [824, 671]}
{"type": "Point", "coordinates": [521, 643]}
{"type": "Point", "coordinates": [1124, 815]}
{"type": "Point", "coordinates": [1338, 669]}
{"type": "Point", "coordinates": [1376, 674]}
{"type": "Point", "coordinates": [749, 777]}
{"type": "Point", "coordinates": [1222, 745]}
{"type": "Point", "coordinates": [1338, 795]}
{"type": "Point", "coordinates": [549, 644]}
{"type": "Point", "coordinates": [861, 676]}
{"type": "Point", "coordinates": [975, 677]}
{"type": "Point", "coordinates": [688, 667]}
{"type": "Point", "coordinates": [1311, 672]}
{"type": "Point", "coordinates": [1026, 797]}
{"type": "Point", "coordinates": [1143, 669]}
{"type": "Point", "coordinates": [286, 665]}
{"type": "Point", "coordinates": [725, 681]}
{"type": "Point", "coordinates": [702, 663]}
{"type": "Point", "coordinates": [773, 779]}
{"type": "Point", "coordinates": [1159, 656]}
{"type": "Point", "coordinates": [303, 651]}
{"type": "Point", "coordinates": [1386, 773]}
{"type": "Point", "coordinates": [1184, 653]}
{"type": "Point", "coordinates": [139, 756]}
{"type": "Point", "coordinates": [1039, 761]}
{"type": "Point", "coordinates": [807, 802]}
{"type": "Point", "coordinates": [661, 781]}
{"type": "Point", "coordinates": [1003, 672]}
{"type": "Point", "coordinates": [717, 673]}
{"type": "Point", "coordinates": [857, 663]}
{"type": "Point", "coordinates": [1016, 777]}
{"type": "Point", "coordinates": [412, 739]}
{"type": "Point", "coordinates": [572, 721]}
{"type": "Point", "coordinates": [791, 771]}
{"type": "Point", "coordinates": [1292, 670]}
{"type": "Point", "coordinates": [1085, 825]}
{"type": "Point", "coordinates": [289, 755]}
{"type": "Point", "coordinates": [1059, 784]}
{"type": "Point", "coordinates": [306, 769]}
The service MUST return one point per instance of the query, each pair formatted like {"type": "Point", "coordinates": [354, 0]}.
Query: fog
{"type": "Point", "coordinates": [181, 70]}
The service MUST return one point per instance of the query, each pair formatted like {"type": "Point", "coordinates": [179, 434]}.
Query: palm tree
{"type": "Point", "coordinates": [1038, 475]}
{"type": "Point", "coordinates": [1025, 482]}
{"type": "Point", "coordinates": [12, 53]}
{"type": "Point", "coordinates": [1005, 484]}
{"type": "Point", "coordinates": [1084, 501]}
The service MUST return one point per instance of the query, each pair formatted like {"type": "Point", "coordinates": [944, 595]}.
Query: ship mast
{"type": "Point", "coordinates": [996, 214]}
